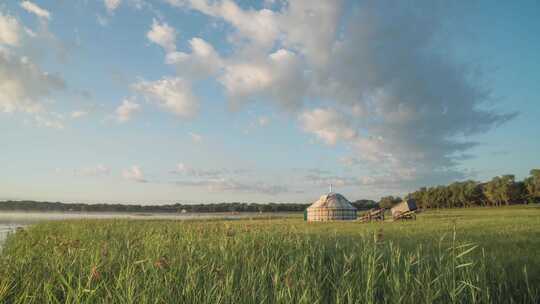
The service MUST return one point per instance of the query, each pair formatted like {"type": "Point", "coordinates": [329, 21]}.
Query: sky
{"type": "Point", "coordinates": [197, 101]}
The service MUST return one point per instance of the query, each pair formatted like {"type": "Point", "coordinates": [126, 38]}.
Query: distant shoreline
{"type": "Point", "coordinates": [178, 208]}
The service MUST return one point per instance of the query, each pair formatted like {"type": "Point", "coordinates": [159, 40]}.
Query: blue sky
{"type": "Point", "coordinates": [202, 101]}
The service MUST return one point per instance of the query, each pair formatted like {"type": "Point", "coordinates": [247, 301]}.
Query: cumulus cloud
{"type": "Point", "coordinates": [101, 20]}
{"type": "Point", "coordinates": [244, 79]}
{"type": "Point", "coordinates": [112, 5]}
{"type": "Point", "coordinates": [49, 120]}
{"type": "Point", "coordinates": [99, 170]}
{"type": "Point", "coordinates": [414, 102]}
{"type": "Point", "coordinates": [163, 35]}
{"type": "Point", "coordinates": [263, 121]}
{"type": "Point", "coordinates": [23, 85]}
{"type": "Point", "coordinates": [276, 77]}
{"type": "Point", "coordinates": [230, 185]}
{"type": "Point", "coordinates": [322, 178]}
{"type": "Point", "coordinates": [126, 110]}
{"type": "Point", "coordinates": [257, 122]}
{"type": "Point", "coordinates": [376, 77]}
{"type": "Point", "coordinates": [187, 170]}
{"type": "Point", "coordinates": [196, 138]}
{"type": "Point", "coordinates": [337, 181]}
{"type": "Point", "coordinates": [328, 124]}
{"type": "Point", "coordinates": [305, 28]}
{"type": "Point", "coordinates": [251, 72]}
{"type": "Point", "coordinates": [36, 10]}
{"type": "Point", "coordinates": [10, 30]}
{"type": "Point", "coordinates": [134, 173]}
{"type": "Point", "coordinates": [183, 169]}
{"type": "Point", "coordinates": [310, 27]}
{"type": "Point", "coordinates": [78, 114]}
{"type": "Point", "coordinates": [219, 180]}
{"type": "Point", "coordinates": [172, 94]}
{"type": "Point", "coordinates": [259, 26]}
{"type": "Point", "coordinates": [203, 61]}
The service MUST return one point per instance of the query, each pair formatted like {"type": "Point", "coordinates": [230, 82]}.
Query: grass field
{"type": "Point", "coordinates": [449, 256]}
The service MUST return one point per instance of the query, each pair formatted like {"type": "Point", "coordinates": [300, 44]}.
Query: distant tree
{"type": "Point", "coordinates": [364, 204]}
{"type": "Point", "coordinates": [503, 189]}
{"type": "Point", "coordinates": [464, 194]}
{"type": "Point", "coordinates": [474, 195]}
{"type": "Point", "coordinates": [389, 201]}
{"type": "Point", "coordinates": [532, 185]}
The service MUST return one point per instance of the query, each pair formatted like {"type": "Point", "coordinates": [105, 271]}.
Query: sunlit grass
{"type": "Point", "coordinates": [451, 256]}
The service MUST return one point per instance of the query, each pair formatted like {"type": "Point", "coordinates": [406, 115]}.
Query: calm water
{"type": "Point", "coordinates": [10, 221]}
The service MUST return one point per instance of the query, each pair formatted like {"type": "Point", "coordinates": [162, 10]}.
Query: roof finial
{"type": "Point", "coordinates": [330, 188]}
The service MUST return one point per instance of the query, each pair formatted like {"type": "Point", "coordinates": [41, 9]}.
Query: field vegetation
{"type": "Point", "coordinates": [473, 255]}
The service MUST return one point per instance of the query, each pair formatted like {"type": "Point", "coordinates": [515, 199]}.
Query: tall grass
{"type": "Point", "coordinates": [274, 261]}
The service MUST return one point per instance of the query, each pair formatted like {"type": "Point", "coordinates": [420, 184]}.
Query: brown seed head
{"type": "Point", "coordinates": [161, 263]}
{"type": "Point", "coordinates": [94, 274]}
{"type": "Point", "coordinates": [379, 236]}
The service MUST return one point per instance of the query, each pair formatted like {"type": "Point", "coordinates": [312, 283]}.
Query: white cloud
{"type": "Point", "coordinates": [140, 4]}
{"type": "Point", "coordinates": [103, 21]}
{"type": "Point", "coordinates": [377, 77]}
{"type": "Point", "coordinates": [23, 85]}
{"type": "Point", "coordinates": [304, 25]}
{"type": "Point", "coordinates": [231, 185]}
{"type": "Point", "coordinates": [328, 125]}
{"type": "Point", "coordinates": [112, 5]}
{"type": "Point", "coordinates": [251, 72]}
{"type": "Point", "coordinates": [260, 26]}
{"type": "Point", "coordinates": [163, 35]}
{"type": "Point", "coordinates": [263, 121]}
{"type": "Point", "coordinates": [310, 27]}
{"type": "Point", "coordinates": [171, 94]}
{"type": "Point", "coordinates": [125, 111]}
{"type": "Point", "coordinates": [278, 77]}
{"type": "Point", "coordinates": [99, 170]}
{"type": "Point", "coordinates": [244, 79]}
{"type": "Point", "coordinates": [49, 120]}
{"type": "Point", "coordinates": [335, 181]}
{"type": "Point", "coordinates": [196, 138]}
{"type": "Point", "coordinates": [203, 61]}
{"type": "Point", "coordinates": [134, 174]}
{"type": "Point", "coordinates": [10, 30]}
{"type": "Point", "coordinates": [36, 10]}
{"type": "Point", "coordinates": [186, 170]}
{"type": "Point", "coordinates": [381, 181]}
{"type": "Point", "coordinates": [78, 114]}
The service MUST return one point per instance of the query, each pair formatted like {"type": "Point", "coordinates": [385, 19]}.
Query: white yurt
{"type": "Point", "coordinates": [331, 207]}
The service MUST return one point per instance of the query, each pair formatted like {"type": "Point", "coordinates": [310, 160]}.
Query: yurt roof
{"type": "Point", "coordinates": [332, 201]}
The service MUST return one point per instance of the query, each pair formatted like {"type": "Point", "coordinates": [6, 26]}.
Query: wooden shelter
{"type": "Point", "coordinates": [404, 210]}
{"type": "Point", "coordinates": [375, 214]}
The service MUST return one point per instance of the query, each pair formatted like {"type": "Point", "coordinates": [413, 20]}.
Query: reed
{"type": "Point", "coordinates": [465, 256]}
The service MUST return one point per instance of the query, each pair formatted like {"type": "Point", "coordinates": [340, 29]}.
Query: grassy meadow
{"type": "Point", "coordinates": [478, 255]}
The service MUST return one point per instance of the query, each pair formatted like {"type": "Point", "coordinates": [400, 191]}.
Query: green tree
{"type": "Point", "coordinates": [532, 185]}
{"type": "Point", "coordinates": [389, 201]}
{"type": "Point", "coordinates": [502, 189]}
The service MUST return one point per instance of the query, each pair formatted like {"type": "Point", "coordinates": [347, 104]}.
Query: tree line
{"type": "Point", "coordinates": [173, 208]}
{"type": "Point", "coordinates": [501, 190]}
